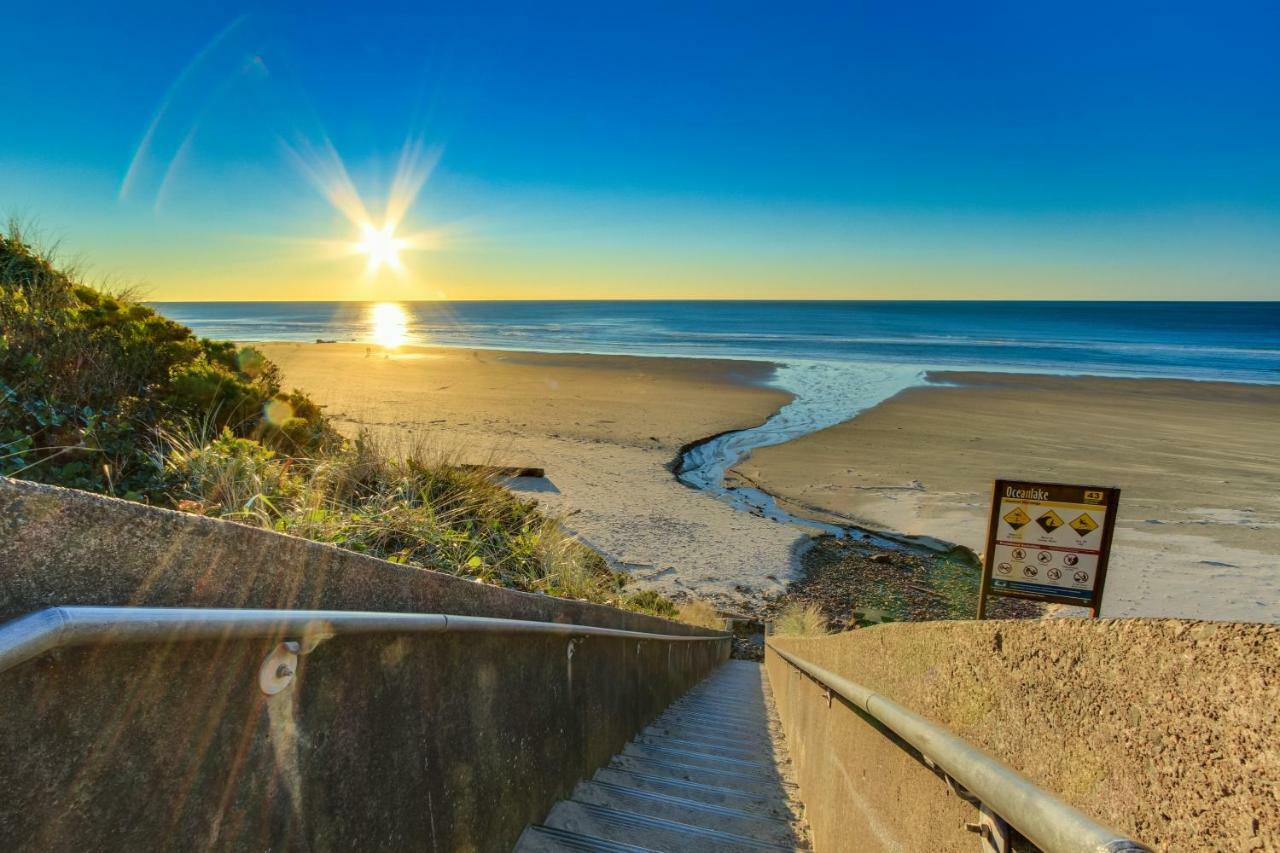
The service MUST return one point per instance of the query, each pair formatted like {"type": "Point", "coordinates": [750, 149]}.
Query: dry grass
{"type": "Point", "coordinates": [701, 614]}
{"type": "Point", "coordinates": [405, 505]}
{"type": "Point", "coordinates": [800, 620]}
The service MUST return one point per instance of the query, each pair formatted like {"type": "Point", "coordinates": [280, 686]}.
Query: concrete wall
{"type": "Point", "coordinates": [438, 742]}
{"type": "Point", "coordinates": [1166, 730]}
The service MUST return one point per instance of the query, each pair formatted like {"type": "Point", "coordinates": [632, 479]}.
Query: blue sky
{"type": "Point", "coordinates": [848, 150]}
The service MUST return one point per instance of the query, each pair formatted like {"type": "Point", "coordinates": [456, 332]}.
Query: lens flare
{"type": "Point", "coordinates": [382, 246]}
{"type": "Point", "coordinates": [142, 153]}
{"type": "Point", "coordinates": [389, 325]}
{"type": "Point", "coordinates": [277, 412]}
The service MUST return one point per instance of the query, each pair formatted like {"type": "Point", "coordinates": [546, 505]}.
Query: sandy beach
{"type": "Point", "coordinates": [1197, 535]}
{"type": "Point", "coordinates": [1199, 526]}
{"type": "Point", "coordinates": [605, 428]}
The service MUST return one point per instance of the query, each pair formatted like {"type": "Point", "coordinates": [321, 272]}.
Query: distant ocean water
{"type": "Point", "coordinates": [837, 358]}
{"type": "Point", "coordinates": [1234, 341]}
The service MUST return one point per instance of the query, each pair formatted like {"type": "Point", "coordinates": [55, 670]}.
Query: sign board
{"type": "Point", "coordinates": [1048, 542]}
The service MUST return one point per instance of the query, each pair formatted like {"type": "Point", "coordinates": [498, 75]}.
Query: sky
{"type": "Point", "coordinates": [711, 150]}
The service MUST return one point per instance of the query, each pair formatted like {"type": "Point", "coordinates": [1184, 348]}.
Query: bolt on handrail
{"type": "Point", "coordinates": [1042, 818]}
{"type": "Point", "coordinates": [36, 633]}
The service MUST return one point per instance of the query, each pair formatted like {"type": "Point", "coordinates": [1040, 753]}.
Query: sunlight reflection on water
{"type": "Point", "coordinates": [388, 325]}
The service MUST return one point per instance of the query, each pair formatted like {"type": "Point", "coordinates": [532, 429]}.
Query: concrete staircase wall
{"type": "Point", "coordinates": [447, 742]}
{"type": "Point", "coordinates": [1164, 730]}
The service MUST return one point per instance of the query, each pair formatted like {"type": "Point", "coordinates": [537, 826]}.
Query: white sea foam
{"type": "Point", "coordinates": [825, 394]}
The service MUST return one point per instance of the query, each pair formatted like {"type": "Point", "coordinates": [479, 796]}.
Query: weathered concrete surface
{"type": "Point", "coordinates": [447, 742]}
{"type": "Point", "coordinates": [1166, 730]}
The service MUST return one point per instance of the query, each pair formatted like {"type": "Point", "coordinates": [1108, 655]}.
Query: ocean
{"type": "Point", "coordinates": [1236, 341]}
{"type": "Point", "coordinates": [837, 358]}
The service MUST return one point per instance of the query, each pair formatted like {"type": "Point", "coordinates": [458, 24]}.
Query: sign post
{"type": "Point", "coordinates": [1048, 542]}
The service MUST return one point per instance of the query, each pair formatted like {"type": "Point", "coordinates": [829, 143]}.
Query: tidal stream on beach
{"type": "Point", "coordinates": [824, 395]}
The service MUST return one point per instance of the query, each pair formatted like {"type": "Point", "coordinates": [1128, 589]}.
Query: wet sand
{"type": "Point", "coordinates": [1198, 532]}
{"type": "Point", "coordinates": [605, 428]}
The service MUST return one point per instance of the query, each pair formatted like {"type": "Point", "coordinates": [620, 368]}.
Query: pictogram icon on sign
{"type": "Point", "coordinates": [1084, 524]}
{"type": "Point", "coordinates": [1045, 556]}
{"type": "Point", "coordinates": [1030, 571]}
{"type": "Point", "coordinates": [1019, 554]}
{"type": "Point", "coordinates": [1081, 577]}
{"type": "Point", "coordinates": [1054, 573]}
{"type": "Point", "coordinates": [1004, 568]}
{"type": "Point", "coordinates": [1070, 559]}
{"type": "Point", "coordinates": [1050, 521]}
{"type": "Point", "coordinates": [1016, 518]}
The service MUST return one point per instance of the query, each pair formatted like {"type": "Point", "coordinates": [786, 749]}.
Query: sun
{"type": "Point", "coordinates": [381, 245]}
{"type": "Point", "coordinates": [382, 237]}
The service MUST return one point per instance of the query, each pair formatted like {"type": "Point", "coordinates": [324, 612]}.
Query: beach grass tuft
{"type": "Point", "coordinates": [799, 619]}
{"type": "Point", "coordinates": [700, 613]}
{"type": "Point", "coordinates": [406, 506]}
{"type": "Point", "coordinates": [648, 601]}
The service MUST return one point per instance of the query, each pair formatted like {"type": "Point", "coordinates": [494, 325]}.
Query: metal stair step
{"type": "Point", "coordinates": [709, 736]}
{"type": "Point", "coordinates": [668, 807]}
{"type": "Point", "coordinates": [701, 775]}
{"type": "Point", "coordinates": [700, 759]}
{"type": "Point", "coordinates": [737, 710]}
{"type": "Point", "coordinates": [655, 833]}
{"type": "Point", "coordinates": [757, 742]}
{"type": "Point", "coordinates": [550, 839]}
{"type": "Point", "coordinates": [772, 805]}
{"type": "Point", "coordinates": [736, 700]}
{"type": "Point", "coordinates": [708, 721]}
{"type": "Point", "coordinates": [755, 734]}
{"type": "Point", "coordinates": [700, 746]}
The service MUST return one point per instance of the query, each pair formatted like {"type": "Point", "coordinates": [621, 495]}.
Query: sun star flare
{"type": "Point", "coordinates": [381, 245]}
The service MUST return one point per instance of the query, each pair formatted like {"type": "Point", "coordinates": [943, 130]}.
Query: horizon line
{"type": "Point", "coordinates": [1239, 301]}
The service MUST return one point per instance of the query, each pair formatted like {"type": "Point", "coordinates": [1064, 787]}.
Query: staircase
{"type": "Point", "coordinates": [710, 774]}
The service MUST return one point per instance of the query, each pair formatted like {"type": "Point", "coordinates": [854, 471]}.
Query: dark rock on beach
{"type": "Point", "coordinates": [856, 584]}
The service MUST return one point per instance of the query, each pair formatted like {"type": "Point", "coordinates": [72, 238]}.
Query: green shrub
{"type": "Point", "coordinates": [230, 477]}
{"type": "Point", "coordinates": [200, 387]}
{"type": "Point", "coordinates": [648, 601]}
{"type": "Point", "coordinates": [88, 379]}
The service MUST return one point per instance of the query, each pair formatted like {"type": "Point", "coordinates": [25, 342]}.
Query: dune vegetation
{"type": "Point", "coordinates": [99, 392]}
{"type": "Point", "coordinates": [700, 613]}
{"type": "Point", "coordinates": [800, 619]}
{"type": "Point", "coordinates": [90, 379]}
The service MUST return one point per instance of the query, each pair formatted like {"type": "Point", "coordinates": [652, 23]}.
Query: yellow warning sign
{"type": "Point", "coordinates": [1084, 524]}
{"type": "Point", "coordinates": [1050, 521]}
{"type": "Point", "coordinates": [1016, 518]}
{"type": "Point", "coordinates": [1048, 542]}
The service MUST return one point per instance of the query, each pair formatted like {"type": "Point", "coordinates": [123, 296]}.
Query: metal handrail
{"type": "Point", "coordinates": [1043, 819]}
{"type": "Point", "coordinates": [34, 634]}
